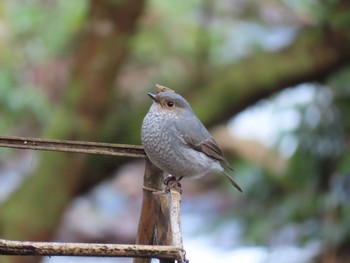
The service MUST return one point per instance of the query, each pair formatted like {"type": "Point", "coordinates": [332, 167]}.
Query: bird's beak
{"type": "Point", "coordinates": [152, 96]}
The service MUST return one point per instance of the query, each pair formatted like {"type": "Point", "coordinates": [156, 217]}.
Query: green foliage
{"type": "Point", "coordinates": [33, 32]}
{"type": "Point", "coordinates": [314, 190]}
{"type": "Point", "coordinates": [187, 37]}
{"type": "Point", "coordinates": [24, 106]}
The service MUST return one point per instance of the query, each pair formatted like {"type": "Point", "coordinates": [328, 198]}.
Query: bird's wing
{"type": "Point", "coordinates": [196, 136]}
{"type": "Point", "coordinates": [210, 148]}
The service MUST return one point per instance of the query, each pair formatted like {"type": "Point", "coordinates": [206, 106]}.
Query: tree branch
{"type": "Point", "coordinates": [175, 215]}
{"type": "Point", "coordinates": [314, 55]}
{"type": "Point", "coordinates": [153, 219]}
{"type": "Point", "coordinates": [124, 150]}
{"type": "Point", "coordinates": [26, 248]}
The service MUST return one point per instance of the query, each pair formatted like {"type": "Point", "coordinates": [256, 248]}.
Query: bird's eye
{"type": "Point", "coordinates": [170, 104]}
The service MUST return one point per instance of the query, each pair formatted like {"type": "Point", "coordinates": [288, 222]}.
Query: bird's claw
{"type": "Point", "coordinates": [172, 182]}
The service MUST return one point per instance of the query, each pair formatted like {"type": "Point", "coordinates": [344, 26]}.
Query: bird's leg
{"type": "Point", "coordinates": [169, 179]}
{"type": "Point", "coordinates": [171, 182]}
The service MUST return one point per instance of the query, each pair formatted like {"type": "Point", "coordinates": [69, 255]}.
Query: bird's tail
{"type": "Point", "coordinates": [232, 181]}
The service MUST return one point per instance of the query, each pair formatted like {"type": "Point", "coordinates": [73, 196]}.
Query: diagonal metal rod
{"type": "Point", "coordinates": [125, 150]}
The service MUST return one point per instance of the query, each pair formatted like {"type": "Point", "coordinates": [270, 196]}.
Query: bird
{"type": "Point", "coordinates": [177, 142]}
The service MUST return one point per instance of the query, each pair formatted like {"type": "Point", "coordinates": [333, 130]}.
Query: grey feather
{"type": "Point", "coordinates": [198, 137]}
{"type": "Point", "coordinates": [232, 181]}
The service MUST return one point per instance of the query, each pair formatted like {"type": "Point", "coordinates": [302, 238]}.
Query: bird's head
{"type": "Point", "coordinates": [171, 102]}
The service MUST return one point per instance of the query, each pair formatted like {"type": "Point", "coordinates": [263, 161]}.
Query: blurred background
{"type": "Point", "coordinates": [270, 79]}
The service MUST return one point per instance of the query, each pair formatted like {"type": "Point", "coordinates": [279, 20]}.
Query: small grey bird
{"type": "Point", "coordinates": [177, 142]}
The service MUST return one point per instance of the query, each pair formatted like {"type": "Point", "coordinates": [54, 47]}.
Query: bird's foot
{"type": "Point", "coordinates": [172, 182]}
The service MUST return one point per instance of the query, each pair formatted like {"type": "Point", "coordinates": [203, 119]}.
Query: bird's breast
{"type": "Point", "coordinates": [166, 148]}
